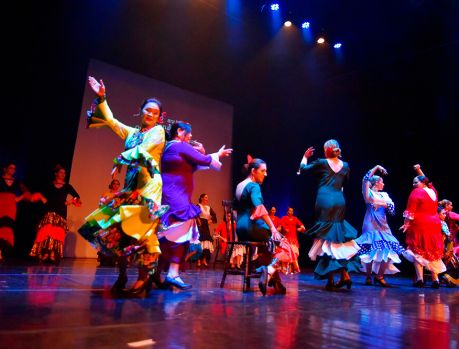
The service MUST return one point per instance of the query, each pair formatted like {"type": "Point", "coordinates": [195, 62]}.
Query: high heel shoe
{"type": "Point", "coordinates": [342, 282]}
{"type": "Point", "coordinates": [119, 284]}
{"type": "Point", "coordinates": [177, 282]}
{"type": "Point", "coordinates": [263, 279]}
{"type": "Point", "coordinates": [276, 282]}
{"type": "Point", "coordinates": [381, 282]}
{"type": "Point", "coordinates": [419, 284]}
{"type": "Point", "coordinates": [143, 289]}
{"type": "Point", "coordinates": [330, 286]}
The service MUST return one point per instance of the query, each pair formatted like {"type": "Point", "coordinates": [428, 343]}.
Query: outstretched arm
{"type": "Point", "coordinates": [366, 181]}
{"type": "Point", "coordinates": [100, 113]}
{"type": "Point", "coordinates": [418, 170]}
{"type": "Point", "coordinates": [304, 161]}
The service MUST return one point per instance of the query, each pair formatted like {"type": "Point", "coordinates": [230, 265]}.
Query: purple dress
{"type": "Point", "coordinates": [178, 164]}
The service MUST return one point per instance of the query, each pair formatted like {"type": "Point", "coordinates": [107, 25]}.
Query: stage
{"type": "Point", "coordinates": [70, 307]}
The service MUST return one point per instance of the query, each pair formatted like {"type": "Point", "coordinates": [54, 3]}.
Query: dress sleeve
{"type": "Point", "coordinates": [193, 156]}
{"type": "Point", "coordinates": [453, 216]}
{"type": "Point", "coordinates": [141, 154]}
{"type": "Point", "coordinates": [309, 166]}
{"type": "Point", "coordinates": [298, 222]}
{"type": "Point", "coordinates": [257, 202]}
{"type": "Point", "coordinates": [101, 115]}
{"type": "Point", "coordinates": [71, 190]}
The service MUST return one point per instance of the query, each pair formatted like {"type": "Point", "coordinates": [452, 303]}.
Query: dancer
{"type": "Point", "coordinates": [127, 223]}
{"type": "Point", "coordinates": [224, 232]}
{"type": "Point", "coordinates": [12, 191]}
{"type": "Point", "coordinates": [179, 162]}
{"type": "Point", "coordinates": [379, 248]}
{"type": "Point", "coordinates": [206, 218]}
{"type": "Point", "coordinates": [291, 226]}
{"type": "Point", "coordinates": [423, 230]}
{"type": "Point", "coordinates": [452, 220]}
{"type": "Point", "coordinates": [276, 220]}
{"type": "Point", "coordinates": [254, 224]}
{"type": "Point", "coordinates": [49, 242]}
{"type": "Point", "coordinates": [451, 276]}
{"type": "Point", "coordinates": [333, 234]}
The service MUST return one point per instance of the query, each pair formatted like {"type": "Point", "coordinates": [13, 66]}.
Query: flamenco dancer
{"type": "Point", "coordinates": [49, 241]}
{"type": "Point", "coordinates": [179, 224]}
{"type": "Point", "coordinates": [423, 230]}
{"type": "Point", "coordinates": [254, 224]}
{"type": "Point", "coordinates": [379, 248]}
{"type": "Point", "coordinates": [334, 236]}
{"type": "Point", "coordinates": [127, 223]}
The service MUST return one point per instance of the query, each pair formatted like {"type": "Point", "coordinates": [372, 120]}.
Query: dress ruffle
{"type": "Point", "coordinates": [183, 214]}
{"type": "Point", "coordinates": [435, 266]}
{"type": "Point", "coordinates": [339, 232]}
{"type": "Point", "coordinates": [377, 247]}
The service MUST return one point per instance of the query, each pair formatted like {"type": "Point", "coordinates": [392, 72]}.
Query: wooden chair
{"type": "Point", "coordinates": [248, 270]}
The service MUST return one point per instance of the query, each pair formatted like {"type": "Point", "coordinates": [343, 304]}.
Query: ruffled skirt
{"type": "Point", "coordinates": [49, 242]}
{"type": "Point", "coordinates": [377, 247]}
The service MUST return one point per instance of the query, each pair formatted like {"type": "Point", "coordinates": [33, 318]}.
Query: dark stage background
{"type": "Point", "coordinates": [391, 98]}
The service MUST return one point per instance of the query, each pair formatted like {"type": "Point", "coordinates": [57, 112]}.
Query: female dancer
{"type": "Point", "coordinates": [291, 226]}
{"type": "Point", "coordinates": [11, 192]}
{"type": "Point", "coordinates": [423, 230]}
{"type": "Point", "coordinates": [379, 248]}
{"type": "Point", "coordinates": [49, 242]}
{"type": "Point", "coordinates": [254, 224]}
{"type": "Point", "coordinates": [179, 162]}
{"type": "Point", "coordinates": [224, 232]}
{"type": "Point", "coordinates": [128, 222]}
{"type": "Point", "coordinates": [333, 235]}
{"type": "Point", "coordinates": [206, 218]}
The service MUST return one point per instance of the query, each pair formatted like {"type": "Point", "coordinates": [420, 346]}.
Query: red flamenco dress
{"type": "Point", "coordinates": [423, 237]}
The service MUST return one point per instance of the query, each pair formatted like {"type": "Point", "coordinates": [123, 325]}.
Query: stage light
{"type": "Point", "coordinates": [305, 25]}
{"type": "Point", "coordinates": [274, 7]}
{"type": "Point", "coordinates": [320, 40]}
{"type": "Point", "coordinates": [337, 45]}
{"type": "Point", "coordinates": [288, 23]}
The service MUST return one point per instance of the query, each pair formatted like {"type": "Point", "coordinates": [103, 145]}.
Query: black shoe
{"type": "Point", "coordinates": [381, 282]}
{"type": "Point", "coordinates": [341, 283]}
{"type": "Point", "coordinates": [368, 281]}
{"type": "Point", "coordinates": [177, 283]}
{"type": "Point", "coordinates": [276, 282]}
{"type": "Point", "coordinates": [263, 279]}
{"type": "Point", "coordinates": [419, 284]}
{"type": "Point", "coordinates": [435, 284]}
{"type": "Point", "coordinates": [119, 284]}
{"type": "Point", "coordinates": [330, 286]}
{"type": "Point", "coordinates": [142, 290]}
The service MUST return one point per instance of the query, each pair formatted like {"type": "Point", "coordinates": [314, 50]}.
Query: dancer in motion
{"type": "Point", "coordinates": [333, 235]}
{"type": "Point", "coordinates": [179, 162]}
{"type": "Point", "coordinates": [127, 223]}
{"type": "Point", "coordinates": [423, 230]}
{"type": "Point", "coordinates": [379, 248]}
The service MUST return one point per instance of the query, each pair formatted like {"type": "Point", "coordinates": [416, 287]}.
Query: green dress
{"type": "Point", "coordinates": [333, 235]}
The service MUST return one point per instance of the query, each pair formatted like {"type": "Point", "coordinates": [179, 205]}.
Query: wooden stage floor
{"type": "Point", "coordinates": [70, 307]}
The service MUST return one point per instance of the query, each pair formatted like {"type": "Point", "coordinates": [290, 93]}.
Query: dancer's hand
{"type": "Point", "coordinates": [222, 152]}
{"type": "Point", "coordinates": [404, 227]}
{"type": "Point", "coordinates": [309, 152]}
{"type": "Point", "coordinates": [417, 167]}
{"type": "Point", "coordinates": [276, 236]}
{"type": "Point", "coordinates": [381, 169]}
{"type": "Point", "coordinates": [97, 86]}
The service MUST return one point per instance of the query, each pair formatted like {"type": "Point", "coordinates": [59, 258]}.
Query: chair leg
{"type": "Point", "coordinates": [229, 253]}
{"type": "Point", "coordinates": [248, 266]}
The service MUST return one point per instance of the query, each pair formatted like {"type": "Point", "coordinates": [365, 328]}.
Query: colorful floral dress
{"type": "Point", "coordinates": [129, 221]}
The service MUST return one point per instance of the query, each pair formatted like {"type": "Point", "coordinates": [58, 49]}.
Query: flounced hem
{"type": "Point", "coordinates": [328, 265]}
{"type": "Point", "coordinates": [390, 268]}
{"type": "Point", "coordinates": [345, 250]}
{"type": "Point", "coordinates": [207, 245]}
{"type": "Point", "coordinates": [180, 215]}
{"type": "Point", "coordinates": [436, 266]}
{"type": "Point", "coordinates": [333, 231]}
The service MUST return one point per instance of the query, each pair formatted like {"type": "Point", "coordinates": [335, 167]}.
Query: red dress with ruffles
{"type": "Point", "coordinates": [423, 236]}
